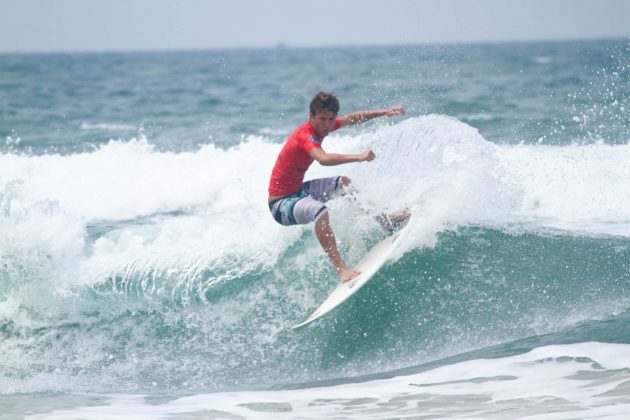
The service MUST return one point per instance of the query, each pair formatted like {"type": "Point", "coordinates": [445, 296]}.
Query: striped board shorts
{"type": "Point", "coordinates": [307, 205]}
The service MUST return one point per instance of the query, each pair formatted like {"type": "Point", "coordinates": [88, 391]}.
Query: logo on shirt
{"type": "Point", "coordinates": [316, 139]}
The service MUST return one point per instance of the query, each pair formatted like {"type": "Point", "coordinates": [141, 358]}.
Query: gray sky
{"type": "Point", "coordinates": [97, 25]}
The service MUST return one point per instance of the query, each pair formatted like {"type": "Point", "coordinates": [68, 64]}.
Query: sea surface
{"type": "Point", "coordinates": [142, 276]}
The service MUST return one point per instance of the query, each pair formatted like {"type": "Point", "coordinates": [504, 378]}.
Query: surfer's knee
{"type": "Point", "coordinates": [345, 181]}
{"type": "Point", "coordinates": [346, 187]}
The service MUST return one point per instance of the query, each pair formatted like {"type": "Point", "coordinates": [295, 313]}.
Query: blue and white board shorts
{"type": "Point", "coordinates": [307, 205]}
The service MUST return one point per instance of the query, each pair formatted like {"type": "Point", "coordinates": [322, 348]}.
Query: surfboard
{"type": "Point", "coordinates": [368, 266]}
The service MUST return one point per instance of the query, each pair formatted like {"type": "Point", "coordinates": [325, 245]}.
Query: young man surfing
{"type": "Point", "coordinates": [293, 201]}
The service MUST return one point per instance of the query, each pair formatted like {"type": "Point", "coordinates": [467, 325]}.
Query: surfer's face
{"type": "Point", "coordinates": [323, 122]}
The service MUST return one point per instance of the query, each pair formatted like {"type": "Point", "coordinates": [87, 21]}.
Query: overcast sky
{"type": "Point", "coordinates": [98, 25]}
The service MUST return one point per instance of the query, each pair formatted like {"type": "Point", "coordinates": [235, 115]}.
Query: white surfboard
{"type": "Point", "coordinates": [368, 266]}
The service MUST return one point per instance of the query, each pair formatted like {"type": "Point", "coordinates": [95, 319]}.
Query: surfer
{"type": "Point", "coordinates": [292, 201]}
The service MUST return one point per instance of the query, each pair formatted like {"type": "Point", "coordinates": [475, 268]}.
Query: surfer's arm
{"type": "Point", "coordinates": [360, 117]}
{"type": "Point", "coordinates": [331, 159]}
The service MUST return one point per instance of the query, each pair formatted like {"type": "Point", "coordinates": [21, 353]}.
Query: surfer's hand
{"type": "Point", "coordinates": [396, 110]}
{"type": "Point", "coordinates": [368, 155]}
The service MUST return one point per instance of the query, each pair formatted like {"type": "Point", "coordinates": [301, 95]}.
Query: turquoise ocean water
{"type": "Point", "coordinates": [141, 275]}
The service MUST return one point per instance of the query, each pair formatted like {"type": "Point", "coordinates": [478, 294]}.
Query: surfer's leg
{"type": "Point", "coordinates": [327, 240]}
{"type": "Point", "coordinates": [323, 189]}
{"type": "Point", "coordinates": [302, 210]}
{"type": "Point", "coordinates": [312, 208]}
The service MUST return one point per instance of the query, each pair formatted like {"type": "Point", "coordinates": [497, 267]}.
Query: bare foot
{"type": "Point", "coordinates": [346, 274]}
{"type": "Point", "coordinates": [400, 215]}
{"type": "Point", "coordinates": [391, 222]}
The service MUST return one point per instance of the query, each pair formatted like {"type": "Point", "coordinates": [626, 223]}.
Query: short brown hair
{"type": "Point", "coordinates": [324, 101]}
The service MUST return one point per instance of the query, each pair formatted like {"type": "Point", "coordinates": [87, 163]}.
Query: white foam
{"type": "Point", "coordinates": [198, 210]}
{"type": "Point", "coordinates": [481, 116]}
{"type": "Point", "coordinates": [576, 187]}
{"type": "Point", "coordinates": [543, 59]}
{"type": "Point", "coordinates": [585, 380]}
{"type": "Point", "coordinates": [187, 212]}
{"type": "Point", "coordinates": [106, 126]}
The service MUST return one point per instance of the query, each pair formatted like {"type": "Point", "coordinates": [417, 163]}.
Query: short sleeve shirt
{"type": "Point", "coordinates": [293, 161]}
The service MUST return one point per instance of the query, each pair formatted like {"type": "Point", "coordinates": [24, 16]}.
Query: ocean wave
{"type": "Point", "coordinates": [125, 265]}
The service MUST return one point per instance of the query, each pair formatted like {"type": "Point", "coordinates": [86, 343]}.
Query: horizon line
{"type": "Point", "coordinates": [286, 46]}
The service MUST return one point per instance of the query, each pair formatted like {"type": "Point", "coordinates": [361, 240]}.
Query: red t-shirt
{"type": "Point", "coordinates": [294, 159]}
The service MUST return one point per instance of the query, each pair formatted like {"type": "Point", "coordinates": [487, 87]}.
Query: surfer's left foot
{"type": "Point", "coordinates": [392, 222]}
{"type": "Point", "coordinates": [347, 274]}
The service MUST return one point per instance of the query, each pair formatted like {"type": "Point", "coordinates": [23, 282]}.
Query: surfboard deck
{"type": "Point", "coordinates": [368, 266]}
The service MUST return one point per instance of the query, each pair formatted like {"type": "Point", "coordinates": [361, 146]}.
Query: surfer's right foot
{"type": "Point", "coordinates": [392, 222]}
{"type": "Point", "coordinates": [346, 274]}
